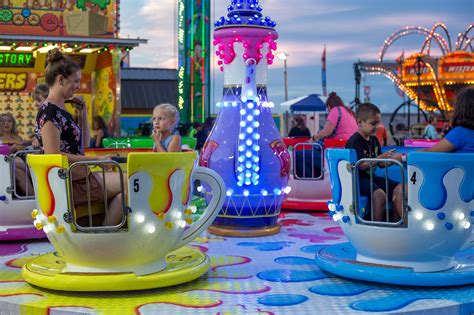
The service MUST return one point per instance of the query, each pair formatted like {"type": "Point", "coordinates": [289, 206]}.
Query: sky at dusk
{"type": "Point", "coordinates": [351, 31]}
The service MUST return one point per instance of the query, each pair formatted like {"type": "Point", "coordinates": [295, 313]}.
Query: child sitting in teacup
{"type": "Point", "coordinates": [165, 120]}
{"type": "Point", "coordinates": [366, 145]}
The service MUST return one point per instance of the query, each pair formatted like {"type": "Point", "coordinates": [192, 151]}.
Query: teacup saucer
{"type": "Point", "coordinates": [183, 265]}
{"type": "Point", "coordinates": [340, 259]}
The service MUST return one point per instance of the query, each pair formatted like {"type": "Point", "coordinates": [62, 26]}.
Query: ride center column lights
{"type": "Point", "coordinates": [244, 146]}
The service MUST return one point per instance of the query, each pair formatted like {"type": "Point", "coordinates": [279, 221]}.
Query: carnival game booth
{"type": "Point", "coordinates": [16, 204]}
{"type": "Point", "coordinates": [426, 247]}
{"type": "Point", "coordinates": [94, 256]}
{"type": "Point", "coordinates": [99, 59]}
{"type": "Point", "coordinates": [88, 31]}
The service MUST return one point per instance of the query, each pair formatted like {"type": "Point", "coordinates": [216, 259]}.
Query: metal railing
{"type": "Point", "coordinates": [72, 209]}
{"type": "Point", "coordinates": [315, 149]}
{"type": "Point", "coordinates": [356, 202]}
{"type": "Point", "coordinates": [13, 159]}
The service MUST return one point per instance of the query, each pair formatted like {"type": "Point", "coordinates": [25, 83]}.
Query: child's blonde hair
{"type": "Point", "coordinates": [170, 111]}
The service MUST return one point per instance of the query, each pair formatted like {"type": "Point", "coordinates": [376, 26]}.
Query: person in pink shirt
{"type": "Point", "coordinates": [340, 123]}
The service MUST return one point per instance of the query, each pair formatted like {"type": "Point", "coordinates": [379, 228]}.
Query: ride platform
{"type": "Point", "coordinates": [276, 274]}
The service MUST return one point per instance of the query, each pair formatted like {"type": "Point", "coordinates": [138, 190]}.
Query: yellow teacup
{"type": "Point", "coordinates": [160, 221]}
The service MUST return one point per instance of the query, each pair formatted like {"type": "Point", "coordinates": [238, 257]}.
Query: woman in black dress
{"type": "Point", "coordinates": [58, 133]}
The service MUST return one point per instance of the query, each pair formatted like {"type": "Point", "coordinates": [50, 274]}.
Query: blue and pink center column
{"type": "Point", "coordinates": [245, 146]}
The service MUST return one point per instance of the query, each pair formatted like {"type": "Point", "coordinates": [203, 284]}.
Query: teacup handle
{"type": "Point", "coordinates": [214, 206]}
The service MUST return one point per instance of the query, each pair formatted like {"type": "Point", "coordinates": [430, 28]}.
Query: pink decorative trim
{"type": "Point", "coordinates": [251, 38]}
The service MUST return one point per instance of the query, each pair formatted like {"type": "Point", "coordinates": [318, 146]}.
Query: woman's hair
{"type": "Point", "coordinates": [334, 100]}
{"type": "Point", "coordinates": [99, 121]}
{"type": "Point", "coordinates": [463, 114]}
{"type": "Point", "coordinates": [431, 118]}
{"type": "Point", "coordinates": [14, 130]}
{"type": "Point", "coordinates": [41, 90]}
{"type": "Point", "coordinates": [208, 123]}
{"type": "Point", "coordinates": [59, 64]}
{"type": "Point", "coordinates": [299, 121]}
{"type": "Point", "coordinates": [170, 111]}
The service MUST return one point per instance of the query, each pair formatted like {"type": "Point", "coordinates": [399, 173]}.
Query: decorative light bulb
{"type": "Point", "coordinates": [140, 218]}
{"type": "Point", "coordinates": [429, 226]}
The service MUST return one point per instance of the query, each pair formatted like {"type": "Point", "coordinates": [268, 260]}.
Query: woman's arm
{"type": "Point", "coordinates": [83, 120]}
{"type": "Point", "coordinates": [325, 132]}
{"type": "Point", "coordinates": [51, 138]}
{"type": "Point", "coordinates": [156, 136]}
{"type": "Point", "coordinates": [86, 134]}
{"type": "Point", "coordinates": [442, 146]}
{"type": "Point", "coordinates": [175, 144]}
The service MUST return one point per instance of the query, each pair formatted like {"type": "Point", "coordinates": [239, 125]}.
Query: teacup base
{"type": "Point", "coordinates": [183, 265]}
{"type": "Point", "coordinates": [243, 232]}
{"type": "Point", "coordinates": [340, 259]}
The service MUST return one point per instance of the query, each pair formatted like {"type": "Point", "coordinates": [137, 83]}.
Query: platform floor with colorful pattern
{"type": "Point", "coordinates": [267, 275]}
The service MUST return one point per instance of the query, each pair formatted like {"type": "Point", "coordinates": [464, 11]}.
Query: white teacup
{"type": "Point", "coordinates": [435, 231]}
{"type": "Point", "coordinates": [159, 193]}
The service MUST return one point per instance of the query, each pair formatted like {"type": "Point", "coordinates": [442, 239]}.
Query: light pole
{"type": "Point", "coordinates": [419, 71]}
{"type": "Point", "coordinates": [284, 56]}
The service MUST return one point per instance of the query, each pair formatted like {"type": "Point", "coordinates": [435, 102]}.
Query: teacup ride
{"type": "Point", "coordinates": [310, 190]}
{"type": "Point", "coordinates": [432, 243]}
{"type": "Point", "coordinates": [15, 206]}
{"type": "Point", "coordinates": [146, 249]}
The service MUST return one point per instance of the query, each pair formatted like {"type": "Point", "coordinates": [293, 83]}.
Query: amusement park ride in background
{"type": "Point", "coordinates": [430, 82]}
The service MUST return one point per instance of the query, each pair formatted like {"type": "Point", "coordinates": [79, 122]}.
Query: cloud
{"type": "Point", "coordinates": [427, 19]}
{"type": "Point", "coordinates": [155, 22]}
